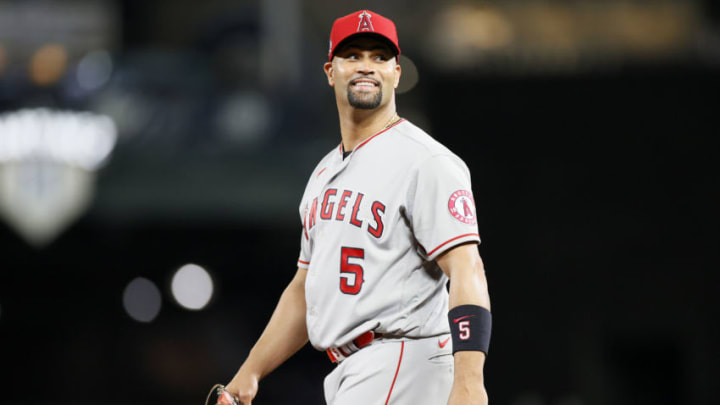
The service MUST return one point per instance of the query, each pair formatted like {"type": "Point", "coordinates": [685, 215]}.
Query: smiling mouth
{"type": "Point", "coordinates": [364, 83]}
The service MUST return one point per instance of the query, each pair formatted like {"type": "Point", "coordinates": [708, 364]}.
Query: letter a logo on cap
{"type": "Point", "coordinates": [365, 23]}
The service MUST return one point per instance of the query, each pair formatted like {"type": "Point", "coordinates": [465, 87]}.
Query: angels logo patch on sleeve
{"type": "Point", "coordinates": [462, 207]}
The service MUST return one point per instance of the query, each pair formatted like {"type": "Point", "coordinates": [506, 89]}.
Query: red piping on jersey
{"type": "Point", "coordinates": [368, 140]}
{"type": "Point", "coordinates": [400, 121]}
{"type": "Point", "coordinates": [300, 261]}
{"type": "Point", "coordinates": [402, 348]}
{"type": "Point", "coordinates": [321, 171]}
{"type": "Point", "coordinates": [446, 242]}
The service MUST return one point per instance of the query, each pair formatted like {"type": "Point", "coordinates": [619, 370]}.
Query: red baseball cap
{"type": "Point", "coordinates": [363, 22]}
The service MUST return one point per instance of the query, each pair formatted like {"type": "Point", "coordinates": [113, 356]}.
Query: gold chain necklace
{"type": "Point", "coordinates": [395, 118]}
{"type": "Point", "coordinates": [392, 120]}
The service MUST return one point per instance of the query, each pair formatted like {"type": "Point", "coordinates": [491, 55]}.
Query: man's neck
{"type": "Point", "coordinates": [358, 125]}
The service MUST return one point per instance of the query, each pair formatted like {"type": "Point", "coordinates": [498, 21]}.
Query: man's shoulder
{"type": "Point", "coordinates": [319, 168]}
{"type": "Point", "coordinates": [327, 158]}
{"type": "Point", "coordinates": [418, 142]}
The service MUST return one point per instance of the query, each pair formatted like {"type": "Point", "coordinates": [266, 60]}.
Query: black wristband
{"type": "Point", "coordinates": [470, 327]}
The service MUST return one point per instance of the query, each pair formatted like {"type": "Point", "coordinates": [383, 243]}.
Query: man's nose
{"type": "Point", "coordinates": [365, 66]}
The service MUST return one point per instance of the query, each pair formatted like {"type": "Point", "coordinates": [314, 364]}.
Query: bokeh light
{"type": "Point", "coordinates": [94, 70]}
{"type": "Point", "coordinates": [409, 77]}
{"type": "Point", "coordinates": [3, 58]}
{"type": "Point", "coordinates": [80, 139]}
{"type": "Point", "coordinates": [48, 64]}
{"type": "Point", "coordinates": [192, 287]}
{"type": "Point", "coordinates": [142, 300]}
{"type": "Point", "coordinates": [244, 117]}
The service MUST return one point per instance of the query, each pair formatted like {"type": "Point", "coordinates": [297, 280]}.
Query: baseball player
{"type": "Point", "coordinates": [388, 217]}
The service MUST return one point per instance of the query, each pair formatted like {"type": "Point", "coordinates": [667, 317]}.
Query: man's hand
{"type": "Point", "coordinates": [468, 386]}
{"type": "Point", "coordinates": [244, 386]}
{"type": "Point", "coordinates": [284, 335]}
{"type": "Point", "coordinates": [468, 393]}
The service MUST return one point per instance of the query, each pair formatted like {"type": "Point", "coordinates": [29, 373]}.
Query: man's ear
{"type": "Point", "coordinates": [329, 71]}
{"type": "Point", "coordinates": [398, 73]}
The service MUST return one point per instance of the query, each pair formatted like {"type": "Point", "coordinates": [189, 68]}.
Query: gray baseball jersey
{"type": "Point", "coordinates": [373, 223]}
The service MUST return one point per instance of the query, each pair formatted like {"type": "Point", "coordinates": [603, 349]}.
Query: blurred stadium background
{"type": "Point", "coordinates": [140, 261]}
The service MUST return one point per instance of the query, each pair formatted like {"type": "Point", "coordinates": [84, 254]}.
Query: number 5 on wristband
{"type": "Point", "coordinates": [470, 327]}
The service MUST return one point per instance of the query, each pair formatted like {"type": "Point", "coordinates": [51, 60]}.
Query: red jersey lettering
{"type": "Point", "coordinates": [341, 205]}
{"type": "Point", "coordinates": [376, 209]}
{"type": "Point", "coordinates": [327, 208]}
{"type": "Point", "coordinates": [353, 218]}
{"type": "Point", "coordinates": [313, 214]}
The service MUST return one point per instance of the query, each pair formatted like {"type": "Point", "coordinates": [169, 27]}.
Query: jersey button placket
{"type": "Point", "coordinates": [339, 166]}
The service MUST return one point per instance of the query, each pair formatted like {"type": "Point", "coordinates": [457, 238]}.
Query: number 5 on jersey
{"type": "Point", "coordinates": [351, 275]}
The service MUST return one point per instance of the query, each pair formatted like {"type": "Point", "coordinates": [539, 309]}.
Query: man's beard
{"type": "Point", "coordinates": [364, 103]}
